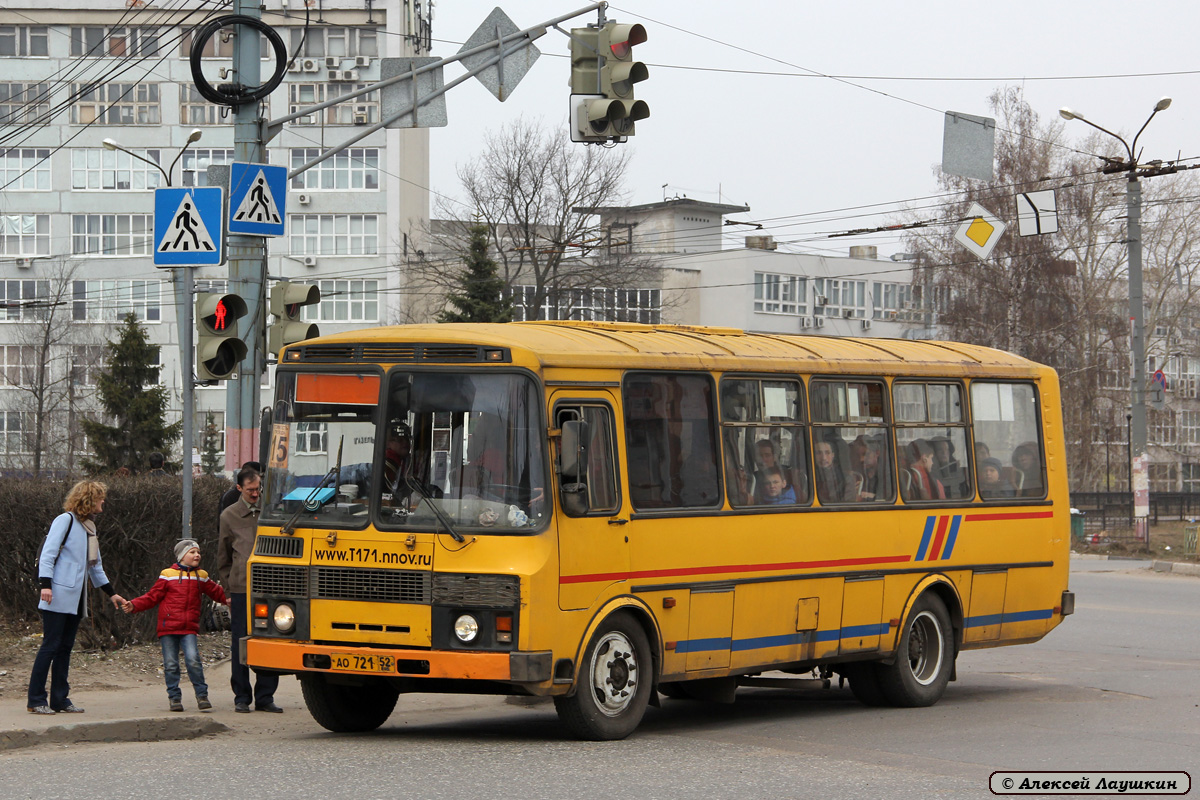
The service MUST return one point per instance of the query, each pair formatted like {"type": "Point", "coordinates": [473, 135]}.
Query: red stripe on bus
{"type": "Point", "coordinates": [1022, 515]}
{"type": "Point", "coordinates": [939, 537]}
{"type": "Point", "coordinates": [720, 570]}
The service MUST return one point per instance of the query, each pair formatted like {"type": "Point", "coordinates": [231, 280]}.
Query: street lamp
{"type": "Point", "coordinates": [1133, 201]}
{"type": "Point", "coordinates": [194, 136]}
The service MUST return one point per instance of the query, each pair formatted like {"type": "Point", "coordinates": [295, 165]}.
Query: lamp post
{"type": "Point", "coordinates": [183, 304]}
{"type": "Point", "coordinates": [1138, 483]}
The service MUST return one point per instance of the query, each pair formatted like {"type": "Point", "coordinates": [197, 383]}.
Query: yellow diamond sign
{"type": "Point", "coordinates": [980, 231]}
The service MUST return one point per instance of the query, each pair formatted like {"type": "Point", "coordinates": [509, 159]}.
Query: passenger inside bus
{"type": "Point", "coordinates": [992, 483]}
{"type": "Point", "coordinates": [947, 469]}
{"type": "Point", "coordinates": [865, 457]}
{"type": "Point", "coordinates": [775, 488]}
{"type": "Point", "coordinates": [922, 485]}
{"type": "Point", "coordinates": [834, 485]}
{"type": "Point", "coordinates": [767, 454]}
{"type": "Point", "coordinates": [1029, 469]}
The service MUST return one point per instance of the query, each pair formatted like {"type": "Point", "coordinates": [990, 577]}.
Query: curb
{"type": "Point", "coordinates": [127, 730]}
{"type": "Point", "coordinates": [1176, 567]}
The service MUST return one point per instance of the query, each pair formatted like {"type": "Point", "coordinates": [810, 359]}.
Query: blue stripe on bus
{"type": "Point", "coordinates": [703, 645]}
{"type": "Point", "coordinates": [954, 523]}
{"type": "Point", "coordinates": [1015, 616]}
{"type": "Point", "coordinates": [929, 523]}
{"type": "Point", "coordinates": [781, 640]}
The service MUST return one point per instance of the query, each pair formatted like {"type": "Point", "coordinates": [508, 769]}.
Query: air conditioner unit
{"type": "Point", "coordinates": [310, 65]}
{"type": "Point", "coordinates": [866, 324]}
{"type": "Point", "coordinates": [820, 300]}
{"type": "Point", "coordinates": [805, 322]}
{"type": "Point", "coordinates": [362, 61]}
{"type": "Point", "coordinates": [361, 118]}
{"type": "Point", "coordinates": [819, 322]}
{"type": "Point", "coordinates": [350, 75]}
{"type": "Point", "coordinates": [307, 119]}
{"type": "Point", "coordinates": [310, 261]}
{"type": "Point", "coordinates": [24, 263]}
{"type": "Point", "coordinates": [848, 313]}
{"type": "Point", "coordinates": [295, 66]}
{"type": "Point", "coordinates": [333, 75]}
{"type": "Point", "coordinates": [303, 199]}
{"type": "Point", "coordinates": [333, 62]}
{"type": "Point", "coordinates": [890, 315]}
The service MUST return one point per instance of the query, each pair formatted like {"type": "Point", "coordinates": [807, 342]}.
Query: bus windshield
{"type": "Point", "coordinates": [471, 445]}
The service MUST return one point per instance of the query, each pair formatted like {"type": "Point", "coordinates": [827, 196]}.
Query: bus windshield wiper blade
{"type": "Point", "coordinates": [437, 512]}
{"type": "Point", "coordinates": [290, 526]}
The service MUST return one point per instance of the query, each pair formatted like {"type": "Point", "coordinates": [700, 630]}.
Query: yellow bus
{"type": "Point", "coordinates": [606, 512]}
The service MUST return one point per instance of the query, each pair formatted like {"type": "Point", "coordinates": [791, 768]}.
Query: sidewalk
{"type": "Point", "coordinates": [139, 713]}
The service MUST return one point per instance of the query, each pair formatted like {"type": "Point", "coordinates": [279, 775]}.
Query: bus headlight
{"type": "Point", "coordinates": [284, 618]}
{"type": "Point", "coordinates": [466, 628]}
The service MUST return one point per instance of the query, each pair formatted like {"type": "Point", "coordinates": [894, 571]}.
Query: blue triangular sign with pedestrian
{"type": "Point", "coordinates": [257, 199]}
{"type": "Point", "coordinates": [187, 227]}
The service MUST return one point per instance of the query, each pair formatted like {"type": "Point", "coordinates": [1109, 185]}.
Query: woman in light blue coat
{"type": "Point", "coordinates": [70, 557]}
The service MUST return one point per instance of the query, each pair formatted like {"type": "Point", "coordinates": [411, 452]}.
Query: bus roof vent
{"type": "Point", "coordinates": [404, 352]}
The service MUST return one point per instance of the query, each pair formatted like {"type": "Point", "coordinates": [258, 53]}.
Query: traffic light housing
{"type": "Point", "coordinates": [218, 348]}
{"type": "Point", "coordinates": [287, 302]}
{"type": "Point", "coordinates": [603, 75]}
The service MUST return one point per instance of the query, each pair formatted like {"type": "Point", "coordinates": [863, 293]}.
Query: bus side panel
{"type": "Point", "coordinates": [985, 607]}
{"type": "Point", "coordinates": [774, 622]}
{"type": "Point", "coordinates": [710, 629]}
{"type": "Point", "coordinates": [1029, 604]}
{"type": "Point", "coordinates": [862, 612]}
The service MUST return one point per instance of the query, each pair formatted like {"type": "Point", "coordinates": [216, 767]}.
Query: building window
{"type": "Point", "coordinates": [13, 437]}
{"type": "Point", "coordinates": [219, 47]}
{"type": "Point", "coordinates": [98, 169]}
{"type": "Point", "coordinates": [218, 421]}
{"type": "Point", "coordinates": [196, 163]}
{"type": "Point", "coordinates": [24, 103]}
{"type": "Point", "coordinates": [1191, 477]}
{"type": "Point", "coordinates": [619, 238]}
{"type": "Point", "coordinates": [24, 40]}
{"type": "Point", "coordinates": [87, 362]}
{"type": "Point", "coordinates": [195, 110]}
{"type": "Point", "coordinates": [17, 365]}
{"type": "Point", "coordinates": [25, 169]}
{"type": "Point", "coordinates": [115, 104]}
{"type": "Point", "coordinates": [345, 301]}
{"type": "Point", "coordinates": [19, 300]}
{"type": "Point", "coordinates": [614, 305]}
{"type": "Point", "coordinates": [311, 437]}
{"type": "Point", "coordinates": [355, 168]}
{"type": "Point", "coordinates": [780, 294]}
{"type": "Point", "coordinates": [334, 234]}
{"type": "Point", "coordinates": [25, 234]}
{"type": "Point", "coordinates": [112, 234]}
{"type": "Point", "coordinates": [320, 40]}
{"type": "Point", "coordinates": [206, 285]}
{"type": "Point", "coordinates": [1162, 429]}
{"type": "Point", "coordinates": [100, 42]}
{"type": "Point", "coordinates": [363, 110]}
{"type": "Point", "coordinates": [843, 298]}
{"type": "Point", "coordinates": [109, 301]}
{"type": "Point", "coordinates": [893, 301]}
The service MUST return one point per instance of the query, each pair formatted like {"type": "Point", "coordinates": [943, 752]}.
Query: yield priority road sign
{"type": "Point", "coordinates": [257, 199]}
{"type": "Point", "coordinates": [187, 227]}
{"type": "Point", "coordinates": [980, 231]}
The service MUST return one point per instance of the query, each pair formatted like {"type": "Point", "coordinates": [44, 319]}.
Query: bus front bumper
{"type": "Point", "coordinates": [297, 657]}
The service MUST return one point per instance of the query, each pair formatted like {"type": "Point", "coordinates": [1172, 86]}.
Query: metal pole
{"type": "Point", "coordinates": [247, 261]}
{"type": "Point", "coordinates": [186, 305]}
{"type": "Point", "coordinates": [1129, 460]}
{"type": "Point", "coordinates": [1137, 335]}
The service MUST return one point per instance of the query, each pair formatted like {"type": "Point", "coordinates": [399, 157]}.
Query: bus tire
{"type": "Point", "coordinates": [348, 709]}
{"type": "Point", "coordinates": [924, 659]}
{"type": "Point", "coordinates": [673, 691]}
{"type": "Point", "coordinates": [614, 683]}
{"type": "Point", "coordinates": [864, 683]}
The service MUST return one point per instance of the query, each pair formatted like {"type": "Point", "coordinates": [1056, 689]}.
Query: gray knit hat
{"type": "Point", "coordinates": [183, 545]}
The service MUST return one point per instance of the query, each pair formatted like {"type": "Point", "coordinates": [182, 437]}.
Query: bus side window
{"type": "Point", "coordinates": [1006, 422]}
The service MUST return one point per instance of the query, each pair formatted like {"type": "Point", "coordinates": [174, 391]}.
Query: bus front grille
{"type": "Point", "coordinates": [377, 585]}
{"type": "Point", "coordinates": [275, 579]}
{"type": "Point", "coordinates": [279, 546]}
{"type": "Point", "coordinates": [489, 591]}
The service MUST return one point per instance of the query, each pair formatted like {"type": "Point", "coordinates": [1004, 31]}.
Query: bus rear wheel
{"type": "Point", "coordinates": [343, 708]}
{"type": "Point", "coordinates": [924, 659]}
{"type": "Point", "coordinates": [864, 683]}
{"type": "Point", "coordinates": [615, 680]}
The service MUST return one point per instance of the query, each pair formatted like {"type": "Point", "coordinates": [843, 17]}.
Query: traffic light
{"type": "Point", "coordinates": [603, 74]}
{"type": "Point", "coordinates": [218, 348]}
{"type": "Point", "coordinates": [287, 299]}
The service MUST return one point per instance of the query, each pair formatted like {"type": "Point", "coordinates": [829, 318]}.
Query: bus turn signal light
{"type": "Point", "coordinates": [504, 629]}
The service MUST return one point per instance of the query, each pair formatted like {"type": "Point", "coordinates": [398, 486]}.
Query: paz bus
{"type": "Point", "coordinates": [606, 512]}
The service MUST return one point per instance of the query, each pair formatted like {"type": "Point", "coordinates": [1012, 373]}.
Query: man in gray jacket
{"type": "Point", "coordinates": [239, 522]}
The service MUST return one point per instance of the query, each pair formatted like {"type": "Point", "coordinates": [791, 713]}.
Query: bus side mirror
{"type": "Point", "coordinates": [573, 491]}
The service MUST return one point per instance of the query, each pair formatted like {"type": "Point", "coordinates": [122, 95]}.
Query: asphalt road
{"type": "Point", "coordinates": [1116, 687]}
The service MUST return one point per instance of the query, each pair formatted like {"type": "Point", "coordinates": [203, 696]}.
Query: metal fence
{"type": "Point", "coordinates": [1108, 510]}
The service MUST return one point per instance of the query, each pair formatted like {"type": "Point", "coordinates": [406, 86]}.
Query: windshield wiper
{"type": "Point", "coordinates": [437, 512]}
{"type": "Point", "coordinates": [313, 502]}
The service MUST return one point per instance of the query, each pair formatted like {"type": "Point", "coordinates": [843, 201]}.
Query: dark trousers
{"type": "Point", "coordinates": [54, 657]}
{"type": "Point", "coordinates": [265, 684]}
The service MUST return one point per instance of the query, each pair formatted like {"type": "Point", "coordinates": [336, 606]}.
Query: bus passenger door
{"type": "Point", "coordinates": [593, 547]}
{"type": "Point", "coordinates": [862, 614]}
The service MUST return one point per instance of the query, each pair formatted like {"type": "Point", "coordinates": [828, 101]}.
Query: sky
{"type": "Point", "coordinates": [744, 109]}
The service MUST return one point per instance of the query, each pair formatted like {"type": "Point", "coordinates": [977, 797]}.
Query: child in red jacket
{"type": "Point", "coordinates": [177, 595]}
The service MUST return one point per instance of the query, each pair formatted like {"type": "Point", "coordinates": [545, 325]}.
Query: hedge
{"type": "Point", "coordinates": [141, 521]}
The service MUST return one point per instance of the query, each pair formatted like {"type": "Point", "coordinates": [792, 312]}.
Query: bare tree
{"type": "Point", "coordinates": [528, 188]}
{"type": "Point", "coordinates": [49, 351]}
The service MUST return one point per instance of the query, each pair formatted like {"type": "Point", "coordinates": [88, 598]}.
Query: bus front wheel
{"type": "Point", "coordinates": [924, 659]}
{"type": "Point", "coordinates": [615, 680]}
{"type": "Point", "coordinates": [343, 708]}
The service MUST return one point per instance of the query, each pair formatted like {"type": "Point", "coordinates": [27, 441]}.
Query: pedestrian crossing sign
{"type": "Point", "coordinates": [257, 199]}
{"type": "Point", "coordinates": [187, 227]}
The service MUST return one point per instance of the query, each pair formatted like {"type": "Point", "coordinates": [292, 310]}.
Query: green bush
{"type": "Point", "coordinates": [141, 522]}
